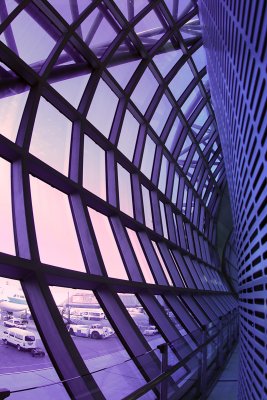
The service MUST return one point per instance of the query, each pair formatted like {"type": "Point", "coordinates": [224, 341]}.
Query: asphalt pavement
{"type": "Point", "coordinates": [106, 358]}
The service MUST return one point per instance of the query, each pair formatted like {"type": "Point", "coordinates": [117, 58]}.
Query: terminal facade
{"type": "Point", "coordinates": [133, 173]}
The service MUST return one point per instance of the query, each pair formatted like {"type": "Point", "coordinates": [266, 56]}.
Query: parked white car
{"type": "Point", "coordinates": [22, 339]}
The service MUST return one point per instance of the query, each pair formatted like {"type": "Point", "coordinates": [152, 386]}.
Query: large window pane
{"type": "Point", "coordinates": [6, 222]}
{"type": "Point", "coordinates": [163, 174]}
{"type": "Point", "coordinates": [94, 168]}
{"type": "Point", "coordinates": [19, 370]}
{"type": "Point", "coordinates": [144, 91]}
{"type": "Point", "coordinates": [29, 35]}
{"type": "Point", "coordinates": [181, 80]}
{"type": "Point", "coordinates": [72, 89]}
{"type": "Point", "coordinates": [98, 344]}
{"type": "Point", "coordinates": [147, 207]}
{"type": "Point", "coordinates": [11, 104]}
{"type": "Point", "coordinates": [140, 256]}
{"type": "Point", "coordinates": [125, 191]}
{"type": "Point", "coordinates": [166, 61]}
{"type": "Point", "coordinates": [148, 157]}
{"type": "Point", "coordinates": [128, 135]}
{"type": "Point", "coordinates": [160, 115]}
{"type": "Point", "coordinates": [162, 263]}
{"type": "Point", "coordinates": [123, 72]}
{"type": "Point", "coordinates": [163, 219]}
{"type": "Point", "coordinates": [108, 246]}
{"type": "Point", "coordinates": [51, 137]}
{"type": "Point", "coordinates": [102, 110]}
{"type": "Point", "coordinates": [56, 236]}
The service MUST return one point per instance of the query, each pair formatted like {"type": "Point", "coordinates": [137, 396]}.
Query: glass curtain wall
{"type": "Point", "coordinates": [111, 178]}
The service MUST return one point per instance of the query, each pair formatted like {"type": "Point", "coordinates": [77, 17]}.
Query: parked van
{"type": "Point", "coordinates": [93, 314]}
{"type": "Point", "coordinates": [20, 338]}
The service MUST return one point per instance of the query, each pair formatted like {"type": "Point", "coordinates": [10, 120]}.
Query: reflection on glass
{"type": "Point", "coordinates": [149, 29]}
{"type": "Point", "coordinates": [175, 188]}
{"type": "Point", "coordinates": [108, 246]}
{"type": "Point", "coordinates": [104, 35]}
{"type": "Point", "coordinates": [104, 100]}
{"type": "Point", "coordinates": [144, 91]}
{"type": "Point", "coordinates": [145, 323]}
{"type": "Point", "coordinates": [163, 174]}
{"type": "Point", "coordinates": [128, 135]}
{"type": "Point", "coordinates": [148, 157]}
{"type": "Point", "coordinates": [94, 168]}
{"type": "Point", "coordinates": [97, 32]}
{"type": "Point", "coordinates": [28, 35]}
{"type": "Point", "coordinates": [51, 137]}
{"type": "Point", "coordinates": [184, 204]}
{"type": "Point", "coordinates": [162, 263]}
{"type": "Point", "coordinates": [160, 115]}
{"type": "Point", "coordinates": [30, 368]}
{"type": "Point", "coordinates": [140, 256]}
{"type": "Point", "coordinates": [180, 345]}
{"type": "Point", "coordinates": [125, 191]}
{"type": "Point", "coordinates": [173, 135]}
{"type": "Point", "coordinates": [123, 72]}
{"type": "Point", "coordinates": [166, 61]}
{"type": "Point", "coordinates": [131, 8]}
{"type": "Point", "coordinates": [181, 80]}
{"type": "Point", "coordinates": [10, 6]}
{"type": "Point", "coordinates": [11, 109]}
{"type": "Point", "coordinates": [202, 117]}
{"type": "Point", "coordinates": [72, 89]}
{"type": "Point", "coordinates": [97, 343]}
{"type": "Point", "coordinates": [191, 102]}
{"type": "Point", "coordinates": [147, 207]}
{"type": "Point", "coordinates": [163, 220]}
{"type": "Point", "coordinates": [185, 150]}
{"type": "Point", "coordinates": [6, 221]}
{"type": "Point", "coordinates": [67, 10]}
{"type": "Point", "coordinates": [57, 240]}
{"type": "Point", "coordinates": [179, 268]}
{"type": "Point", "coordinates": [199, 58]}
{"type": "Point", "coordinates": [63, 9]}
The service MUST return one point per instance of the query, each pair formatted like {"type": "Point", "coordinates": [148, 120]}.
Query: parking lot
{"type": "Point", "coordinates": [13, 360]}
{"type": "Point", "coordinates": [120, 377]}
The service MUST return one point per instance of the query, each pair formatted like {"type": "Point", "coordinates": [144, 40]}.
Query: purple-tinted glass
{"type": "Point", "coordinates": [51, 137]}
{"type": "Point", "coordinates": [140, 256]}
{"type": "Point", "coordinates": [6, 221]}
{"type": "Point", "coordinates": [108, 246]}
{"type": "Point", "coordinates": [28, 35]}
{"type": "Point", "coordinates": [144, 91]}
{"type": "Point", "coordinates": [123, 72]}
{"type": "Point", "coordinates": [57, 240]}
{"type": "Point", "coordinates": [160, 115]}
{"type": "Point", "coordinates": [148, 157]}
{"type": "Point", "coordinates": [94, 168]}
{"type": "Point", "coordinates": [166, 61]}
{"type": "Point", "coordinates": [128, 135]}
{"type": "Point", "coordinates": [105, 101]}
{"type": "Point", "coordinates": [147, 207]}
{"type": "Point", "coordinates": [125, 190]}
{"type": "Point", "coordinates": [181, 80]}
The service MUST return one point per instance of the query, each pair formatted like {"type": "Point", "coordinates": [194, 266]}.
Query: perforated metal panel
{"type": "Point", "coordinates": [235, 40]}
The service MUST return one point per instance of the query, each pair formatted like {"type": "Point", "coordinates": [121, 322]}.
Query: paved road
{"type": "Point", "coordinates": [19, 370]}
{"type": "Point", "coordinates": [14, 361]}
